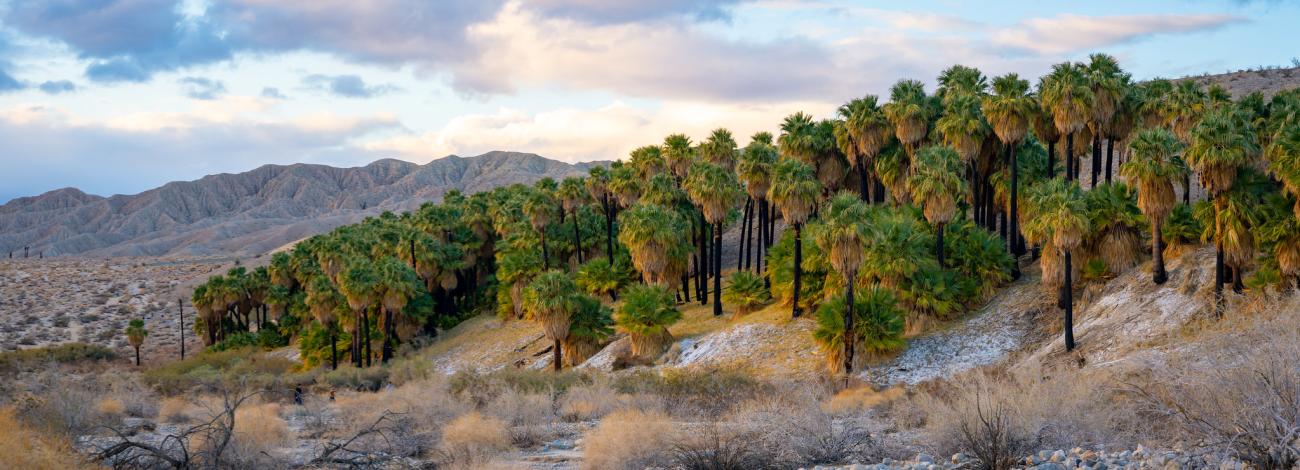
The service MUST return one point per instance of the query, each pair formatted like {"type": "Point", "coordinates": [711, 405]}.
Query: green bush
{"type": "Point", "coordinates": [28, 359]}
{"type": "Point", "coordinates": [212, 369]}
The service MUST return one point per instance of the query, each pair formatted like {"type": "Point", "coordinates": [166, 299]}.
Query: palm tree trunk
{"type": "Point", "coordinates": [1067, 299]}
{"type": "Point", "coordinates": [1218, 278]}
{"type": "Point", "coordinates": [546, 257]}
{"type": "Point", "coordinates": [558, 355]}
{"type": "Point", "coordinates": [609, 229]}
{"type": "Point", "coordinates": [699, 260]}
{"type": "Point", "coordinates": [705, 230]}
{"type": "Point", "coordinates": [742, 257]}
{"type": "Point", "coordinates": [849, 336]}
{"type": "Point", "coordinates": [1187, 187]}
{"type": "Point", "coordinates": [1158, 274]}
{"type": "Point", "coordinates": [137, 356]}
{"type": "Point", "coordinates": [1237, 285]}
{"type": "Point", "coordinates": [386, 351]}
{"type": "Point", "coordinates": [1068, 157]}
{"type": "Point", "coordinates": [577, 237]}
{"type": "Point", "coordinates": [1051, 160]}
{"type": "Point", "coordinates": [1110, 157]}
{"type": "Point", "coordinates": [334, 349]}
{"type": "Point", "coordinates": [365, 340]}
{"type": "Point", "coordinates": [1096, 158]}
{"type": "Point", "coordinates": [763, 242]}
{"type": "Point", "coordinates": [798, 265]}
{"type": "Point", "coordinates": [717, 269]}
{"type": "Point", "coordinates": [1014, 244]}
{"type": "Point", "coordinates": [864, 182]}
{"type": "Point", "coordinates": [938, 244]}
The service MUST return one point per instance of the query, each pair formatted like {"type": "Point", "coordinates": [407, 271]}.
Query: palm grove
{"type": "Point", "coordinates": [886, 220]}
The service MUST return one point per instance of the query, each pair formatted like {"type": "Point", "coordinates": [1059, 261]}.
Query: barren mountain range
{"type": "Point", "coordinates": [251, 212]}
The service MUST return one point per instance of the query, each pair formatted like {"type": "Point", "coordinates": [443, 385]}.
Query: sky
{"type": "Point", "coordinates": [120, 96]}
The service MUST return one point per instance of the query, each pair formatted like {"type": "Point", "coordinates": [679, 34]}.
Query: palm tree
{"type": "Point", "coordinates": [798, 138]}
{"type": "Point", "coordinates": [573, 194]}
{"type": "Point", "coordinates": [754, 169]}
{"type": "Point", "coordinates": [841, 237]}
{"type": "Point", "coordinates": [135, 334]}
{"type": "Point", "coordinates": [357, 283]}
{"type": "Point", "coordinates": [648, 160]}
{"type": "Point", "coordinates": [794, 191]}
{"type": "Point", "coordinates": [720, 149]}
{"type": "Point", "coordinates": [1284, 161]}
{"type": "Point", "coordinates": [1068, 97]}
{"type": "Point", "coordinates": [598, 277]}
{"type": "Point", "coordinates": [715, 190]}
{"type": "Point", "coordinates": [396, 284]}
{"type": "Point", "coordinates": [626, 185]}
{"type": "Point", "coordinates": [745, 291]}
{"type": "Point", "coordinates": [877, 328]}
{"type": "Point", "coordinates": [1046, 132]}
{"type": "Point", "coordinates": [678, 154]}
{"type": "Point", "coordinates": [866, 131]}
{"type": "Point", "coordinates": [597, 183]}
{"type": "Point", "coordinates": [549, 300]}
{"type": "Point", "coordinates": [325, 302]}
{"type": "Point", "coordinates": [658, 240]}
{"type": "Point", "coordinates": [645, 315]}
{"type": "Point", "coordinates": [1219, 146]}
{"type": "Point", "coordinates": [1010, 110]}
{"type": "Point", "coordinates": [909, 110]}
{"type": "Point", "coordinates": [1106, 80]}
{"type": "Point", "coordinates": [590, 327]}
{"type": "Point", "coordinates": [935, 183]}
{"type": "Point", "coordinates": [1059, 218]}
{"type": "Point", "coordinates": [539, 208]}
{"type": "Point", "coordinates": [960, 80]}
{"type": "Point", "coordinates": [1153, 169]}
{"type": "Point", "coordinates": [964, 129]}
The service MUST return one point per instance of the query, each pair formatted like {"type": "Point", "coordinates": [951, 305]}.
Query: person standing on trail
{"type": "Point", "coordinates": [297, 394]}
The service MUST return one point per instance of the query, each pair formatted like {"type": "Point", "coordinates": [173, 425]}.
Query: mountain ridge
{"type": "Point", "coordinates": [253, 211]}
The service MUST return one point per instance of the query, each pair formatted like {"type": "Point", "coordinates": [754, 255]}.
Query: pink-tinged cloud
{"type": "Point", "coordinates": [1065, 34]}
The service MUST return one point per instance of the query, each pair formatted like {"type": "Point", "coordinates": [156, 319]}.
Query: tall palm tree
{"type": "Point", "coordinates": [878, 327]}
{"type": "Point", "coordinates": [1066, 94]}
{"type": "Point", "coordinates": [1153, 169]}
{"type": "Point", "coordinates": [1059, 219]}
{"type": "Point", "coordinates": [549, 300]}
{"type": "Point", "coordinates": [964, 129]}
{"type": "Point", "coordinates": [909, 110]}
{"type": "Point", "coordinates": [715, 190]}
{"type": "Point", "coordinates": [798, 138]}
{"type": "Point", "coordinates": [658, 240]}
{"type": "Point", "coordinates": [626, 185]}
{"type": "Point", "coordinates": [395, 284]}
{"type": "Point", "coordinates": [540, 210]}
{"type": "Point", "coordinates": [325, 302]}
{"type": "Point", "coordinates": [795, 190]}
{"type": "Point", "coordinates": [1106, 80]}
{"type": "Point", "coordinates": [867, 131]}
{"type": "Point", "coordinates": [358, 283]}
{"type": "Point", "coordinates": [841, 237]}
{"type": "Point", "coordinates": [649, 160]}
{"type": "Point", "coordinates": [678, 154]}
{"type": "Point", "coordinates": [935, 183]}
{"type": "Point", "coordinates": [720, 149]}
{"type": "Point", "coordinates": [1045, 130]}
{"type": "Point", "coordinates": [597, 183]}
{"type": "Point", "coordinates": [573, 194]}
{"type": "Point", "coordinates": [754, 169]}
{"type": "Point", "coordinates": [1284, 160]}
{"type": "Point", "coordinates": [135, 333]}
{"type": "Point", "coordinates": [1010, 110]}
{"type": "Point", "coordinates": [1219, 147]}
{"type": "Point", "coordinates": [959, 80]}
{"type": "Point", "coordinates": [645, 315]}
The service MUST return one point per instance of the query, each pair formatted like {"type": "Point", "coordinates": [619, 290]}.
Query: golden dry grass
{"type": "Point", "coordinates": [473, 440]}
{"type": "Point", "coordinates": [174, 410]}
{"type": "Point", "coordinates": [629, 439]}
{"type": "Point", "coordinates": [110, 407]}
{"type": "Point", "coordinates": [859, 399]}
{"type": "Point", "coordinates": [23, 447]}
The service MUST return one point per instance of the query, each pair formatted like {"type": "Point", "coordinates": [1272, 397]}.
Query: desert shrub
{"type": "Point", "coordinates": [258, 431]}
{"type": "Point", "coordinates": [707, 392]}
{"type": "Point", "coordinates": [174, 410]}
{"type": "Point", "coordinates": [745, 291]}
{"type": "Point", "coordinates": [717, 446]}
{"type": "Point", "coordinates": [530, 416]}
{"type": "Point", "coordinates": [587, 402]}
{"type": "Point", "coordinates": [408, 420]}
{"type": "Point", "coordinates": [1250, 410]}
{"type": "Point", "coordinates": [25, 360]}
{"type": "Point", "coordinates": [215, 369]}
{"type": "Point", "coordinates": [860, 399]}
{"type": "Point", "coordinates": [793, 431]}
{"type": "Point", "coordinates": [479, 388]}
{"type": "Point", "coordinates": [57, 404]}
{"type": "Point", "coordinates": [236, 340]}
{"type": "Point", "coordinates": [27, 448]}
{"type": "Point", "coordinates": [110, 407]}
{"type": "Point", "coordinates": [348, 377]}
{"type": "Point", "coordinates": [474, 439]}
{"type": "Point", "coordinates": [628, 440]}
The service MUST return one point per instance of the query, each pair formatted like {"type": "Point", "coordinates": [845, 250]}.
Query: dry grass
{"type": "Point", "coordinates": [473, 440]}
{"type": "Point", "coordinates": [628, 440]}
{"type": "Point", "coordinates": [258, 432]}
{"type": "Point", "coordinates": [530, 416]}
{"type": "Point", "coordinates": [25, 448]}
{"type": "Point", "coordinates": [420, 410]}
{"type": "Point", "coordinates": [110, 407]}
{"type": "Point", "coordinates": [861, 399]}
{"type": "Point", "coordinates": [174, 410]}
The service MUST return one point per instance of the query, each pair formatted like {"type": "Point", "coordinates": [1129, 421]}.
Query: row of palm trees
{"type": "Point", "coordinates": [919, 207]}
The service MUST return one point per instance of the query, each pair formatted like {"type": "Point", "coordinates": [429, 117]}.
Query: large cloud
{"type": "Point", "coordinates": [627, 11]}
{"type": "Point", "coordinates": [1070, 33]}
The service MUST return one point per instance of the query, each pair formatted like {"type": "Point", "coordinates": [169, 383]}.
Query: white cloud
{"type": "Point", "coordinates": [1065, 34]}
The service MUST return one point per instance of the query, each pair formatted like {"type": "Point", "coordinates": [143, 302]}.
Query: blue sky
{"type": "Point", "coordinates": [122, 96]}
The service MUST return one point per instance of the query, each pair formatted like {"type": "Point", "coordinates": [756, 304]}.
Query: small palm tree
{"type": "Point", "coordinates": [135, 334]}
{"type": "Point", "coordinates": [396, 284]}
{"type": "Point", "coordinates": [746, 292]}
{"type": "Point", "coordinates": [1066, 94]}
{"type": "Point", "coordinates": [715, 190]}
{"type": "Point", "coordinates": [841, 237]}
{"type": "Point", "coordinates": [794, 191]}
{"type": "Point", "coordinates": [935, 183]}
{"type": "Point", "coordinates": [645, 315]}
{"type": "Point", "coordinates": [877, 328]}
{"type": "Point", "coordinates": [598, 277]}
{"type": "Point", "coordinates": [1059, 219]}
{"type": "Point", "coordinates": [590, 327]}
{"type": "Point", "coordinates": [549, 300]}
{"type": "Point", "coordinates": [658, 239]}
{"type": "Point", "coordinates": [1153, 169]}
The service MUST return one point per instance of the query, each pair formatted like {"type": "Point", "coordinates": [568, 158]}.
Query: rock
{"type": "Point", "coordinates": [1058, 456]}
{"type": "Point", "coordinates": [1088, 456]}
{"type": "Point", "coordinates": [924, 458]}
{"type": "Point", "coordinates": [958, 458]}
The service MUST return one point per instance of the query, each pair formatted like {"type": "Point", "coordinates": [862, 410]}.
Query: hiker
{"type": "Point", "coordinates": [297, 394]}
